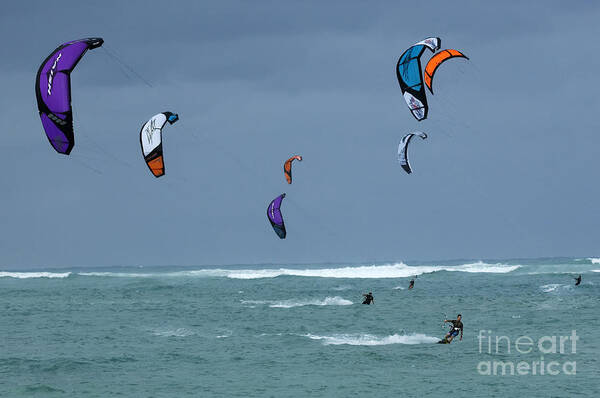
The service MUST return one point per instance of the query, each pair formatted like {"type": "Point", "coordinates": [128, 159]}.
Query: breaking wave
{"type": "Point", "coordinates": [398, 270]}
{"type": "Point", "coordinates": [28, 275]}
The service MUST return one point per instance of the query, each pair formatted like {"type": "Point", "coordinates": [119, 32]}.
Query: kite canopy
{"type": "Point", "coordinates": [436, 61]}
{"type": "Point", "coordinates": [410, 78]}
{"type": "Point", "coordinates": [287, 167]}
{"type": "Point", "coordinates": [403, 150]}
{"type": "Point", "coordinates": [275, 217]}
{"type": "Point", "coordinates": [151, 141]}
{"type": "Point", "coordinates": [53, 91]}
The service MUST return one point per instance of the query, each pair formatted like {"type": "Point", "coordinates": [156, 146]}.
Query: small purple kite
{"type": "Point", "coordinates": [275, 217]}
{"type": "Point", "coordinates": [53, 91]}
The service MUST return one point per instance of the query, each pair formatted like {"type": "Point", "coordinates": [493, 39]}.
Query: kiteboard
{"type": "Point", "coordinates": [443, 341]}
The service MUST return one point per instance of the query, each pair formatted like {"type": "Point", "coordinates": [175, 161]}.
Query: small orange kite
{"type": "Point", "coordinates": [287, 167]}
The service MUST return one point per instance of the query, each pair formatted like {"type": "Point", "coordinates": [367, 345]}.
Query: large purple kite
{"type": "Point", "coordinates": [53, 91]}
{"type": "Point", "coordinates": [275, 217]}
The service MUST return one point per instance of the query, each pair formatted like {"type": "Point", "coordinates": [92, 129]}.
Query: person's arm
{"type": "Point", "coordinates": [461, 333]}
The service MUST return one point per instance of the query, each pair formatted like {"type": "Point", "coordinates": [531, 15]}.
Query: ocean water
{"type": "Point", "coordinates": [300, 331]}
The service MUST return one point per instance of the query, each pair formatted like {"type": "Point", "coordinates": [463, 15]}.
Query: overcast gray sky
{"type": "Point", "coordinates": [510, 168]}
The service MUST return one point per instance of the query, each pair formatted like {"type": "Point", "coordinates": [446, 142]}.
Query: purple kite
{"type": "Point", "coordinates": [275, 217]}
{"type": "Point", "coordinates": [53, 91]}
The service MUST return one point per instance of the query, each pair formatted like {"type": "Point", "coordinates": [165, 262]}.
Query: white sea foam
{"type": "Point", "coordinates": [398, 288]}
{"type": "Point", "coordinates": [28, 275]}
{"type": "Point", "coordinates": [369, 339]}
{"type": "Point", "coordinates": [550, 288]}
{"type": "Point", "coordinates": [300, 303]}
{"type": "Point", "coordinates": [596, 270]}
{"type": "Point", "coordinates": [594, 260]}
{"type": "Point", "coordinates": [553, 287]}
{"type": "Point", "coordinates": [327, 301]}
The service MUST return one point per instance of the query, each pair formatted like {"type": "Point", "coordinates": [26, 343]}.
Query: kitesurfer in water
{"type": "Point", "coordinates": [368, 298]}
{"type": "Point", "coordinates": [578, 280]}
{"type": "Point", "coordinates": [456, 327]}
{"type": "Point", "coordinates": [411, 284]}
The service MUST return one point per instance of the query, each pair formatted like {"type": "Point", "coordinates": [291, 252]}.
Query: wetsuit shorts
{"type": "Point", "coordinates": [454, 332]}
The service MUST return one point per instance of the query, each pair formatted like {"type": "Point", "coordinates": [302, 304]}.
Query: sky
{"type": "Point", "coordinates": [510, 168]}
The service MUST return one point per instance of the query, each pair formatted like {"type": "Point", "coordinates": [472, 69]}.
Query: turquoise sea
{"type": "Point", "coordinates": [301, 331]}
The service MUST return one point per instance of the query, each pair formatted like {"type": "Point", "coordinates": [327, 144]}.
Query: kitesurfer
{"type": "Point", "coordinates": [578, 280]}
{"type": "Point", "coordinates": [457, 326]}
{"type": "Point", "coordinates": [411, 284]}
{"type": "Point", "coordinates": [368, 298]}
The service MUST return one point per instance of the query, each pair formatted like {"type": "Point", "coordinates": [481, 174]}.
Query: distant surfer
{"type": "Point", "coordinates": [368, 299]}
{"type": "Point", "coordinates": [411, 284]}
{"type": "Point", "coordinates": [457, 326]}
{"type": "Point", "coordinates": [578, 280]}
